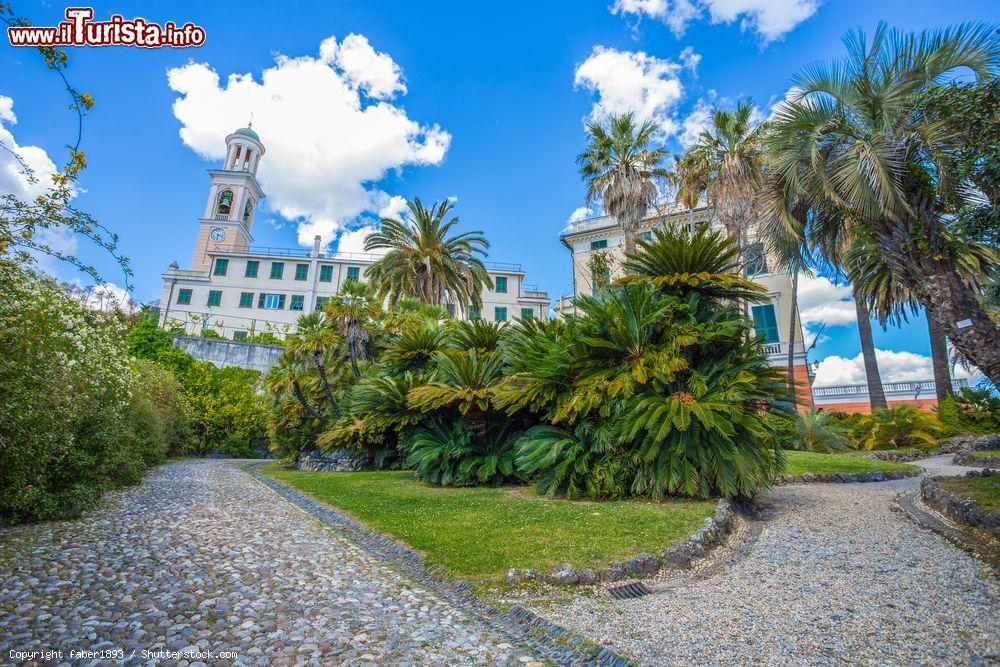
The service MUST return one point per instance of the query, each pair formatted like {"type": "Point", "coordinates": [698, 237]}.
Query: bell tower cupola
{"type": "Point", "coordinates": [233, 197]}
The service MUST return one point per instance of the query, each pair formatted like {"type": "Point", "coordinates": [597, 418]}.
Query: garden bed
{"type": "Point", "coordinates": [806, 467]}
{"type": "Point", "coordinates": [989, 458]}
{"type": "Point", "coordinates": [973, 500]}
{"type": "Point", "coordinates": [482, 533]}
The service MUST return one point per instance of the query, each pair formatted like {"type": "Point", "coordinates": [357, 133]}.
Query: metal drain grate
{"type": "Point", "coordinates": [634, 590]}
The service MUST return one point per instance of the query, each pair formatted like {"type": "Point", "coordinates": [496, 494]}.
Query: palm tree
{"type": "Point", "coordinates": [287, 377]}
{"type": "Point", "coordinates": [425, 263]}
{"type": "Point", "coordinates": [353, 312]}
{"type": "Point", "coordinates": [815, 432]}
{"type": "Point", "coordinates": [855, 141]}
{"type": "Point", "coordinates": [619, 168]}
{"type": "Point", "coordinates": [314, 339]}
{"type": "Point", "coordinates": [726, 163]}
{"type": "Point", "coordinates": [890, 299]}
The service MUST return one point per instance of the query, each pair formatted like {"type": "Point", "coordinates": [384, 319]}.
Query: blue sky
{"type": "Point", "coordinates": [492, 114]}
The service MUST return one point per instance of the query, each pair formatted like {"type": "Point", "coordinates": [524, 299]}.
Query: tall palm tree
{"type": "Point", "coordinates": [891, 300]}
{"type": "Point", "coordinates": [425, 262]}
{"type": "Point", "coordinates": [353, 311]}
{"type": "Point", "coordinates": [726, 163]}
{"type": "Point", "coordinates": [854, 140]}
{"type": "Point", "coordinates": [619, 167]}
{"type": "Point", "coordinates": [288, 378]}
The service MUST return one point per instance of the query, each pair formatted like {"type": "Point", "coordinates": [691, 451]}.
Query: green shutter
{"type": "Point", "coordinates": [326, 273]}
{"type": "Point", "coordinates": [301, 271]}
{"type": "Point", "coordinates": [221, 266]}
{"type": "Point", "coordinates": [214, 297]}
{"type": "Point", "coordinates": [501, 284]}
{"type": "Point", "coordinates": [281, 302]}
{"type": "Point", "coordinates": [353, 273]}
{"type": "Point", "coordinates": [261, 299]}
{"type": "Point", "coordinates": [297, 302]}
{"type": "Point", "coordinates": [765, 323]}
{"type": "Point", "coordinates": [277, 270]}
{"type": "Point", "coordinates": [184, 296]}
{"type": "Point", "coordinates": [500, 314]}
{"type": "Point", "coordinates": [246, 299]}
{"type": "Point", "coordinates": [527, 313]}
{"type": "Point", "coordinates": [252, 267]}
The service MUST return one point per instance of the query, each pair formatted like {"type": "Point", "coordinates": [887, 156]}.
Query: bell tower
{"type": "Point", "coordinates": [233, 197]}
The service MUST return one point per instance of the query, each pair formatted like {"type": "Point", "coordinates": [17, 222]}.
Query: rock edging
{"type": "Point", "coordinates": [316, 462]}
{"type": "Point", "coordinates": [644, 565]}
{"type": "Point", "coordinates": [969, 458]}
{"type": "Point", "coordinates": [845, 477]}
{"type": "Point", "coordinates": [547, 639]}
{"type": "Point", "coordinates": [959, 508]}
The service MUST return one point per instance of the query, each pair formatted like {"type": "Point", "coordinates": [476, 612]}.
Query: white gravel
{"type": "Point", "coordinates": [202, 558]}
{"type": "Point", "coordinates": [835, 576]}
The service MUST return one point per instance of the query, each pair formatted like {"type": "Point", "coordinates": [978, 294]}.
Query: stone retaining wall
{"type": "Point", "coordinates": [317, 462]}
{"type": "Point", "coordinates": [223, 353]}
{"type": "Point", "coordinates": [845, 477]}
{"type": "Point", "coordinates": [643, 565]}
{"type": "Point", "coordinates": [959, 508]}
{"type": "Point", "coordinates": [971, 459]}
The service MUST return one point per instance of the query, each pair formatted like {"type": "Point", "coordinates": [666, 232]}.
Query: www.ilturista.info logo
{"type": "Point", "coordinates": [80, 30]}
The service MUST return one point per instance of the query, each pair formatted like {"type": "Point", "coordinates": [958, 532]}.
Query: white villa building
{"type": "Point", "coordinates": [236, 289]}
{"type": "Point", "coordinates": [772, 318]}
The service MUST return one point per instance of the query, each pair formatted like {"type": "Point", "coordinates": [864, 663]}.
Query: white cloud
{"type": "Point", "coordinates": [25, 171]}
{"type": "Point", "coordinates": [393, 207]}
{"type": "Point", "coordinates": [633, 81]}
{"type": "Point", "coordinates": [581, 213]}
{"type": "Point", "coordinates": [695, 122]}
{"type": "Point", "coordinates": [892, 366]}
{"type": "Point", "coordinates": [354, 241]}
{"type": "Point", "coordinates": [690, 59]}
{"type": "Point", "coordinates": [822, 301]}
{"type": "Point", "coordinates": [328, 123]}
{"type": "Point", "coordinates": [770, 19]}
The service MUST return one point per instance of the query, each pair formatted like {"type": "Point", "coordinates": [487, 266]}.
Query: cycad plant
{"type": "Point", "coordinates": [818, 432]}
{"type": "Point", "coordinates": [354, 312]}
{"type": "Point", "coordinates": [899, 426]}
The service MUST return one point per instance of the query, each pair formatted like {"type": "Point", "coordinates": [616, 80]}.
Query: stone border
{"type": "Point", "coordinates": [896, 456]}
{"type": "Point", "coordinates": [969, 458]}
{"type": "Point", "coordinates": [845, 477]}
{"type": "Point", "coordinates": [961, 509]}
{"type": "Point", "coordinates": [644, 565]}
{"type": "Point", "coordinates": [545, 638]}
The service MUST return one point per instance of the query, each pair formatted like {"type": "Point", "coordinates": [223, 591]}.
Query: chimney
{"type": "Point", "coordinates": [316, 243]}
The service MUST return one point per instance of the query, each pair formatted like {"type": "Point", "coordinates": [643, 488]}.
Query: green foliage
{"type": "Point", "coordinates": [819, 432]}
{"type": "Point", "coordinates": [147, 340]}
{"type": "Point", "coordinates": [899, 426]}
{"type": "Point", "coordinates": [577, 463]}
{"type": "Point", "coordinates": [75, 418]}
{"type": "Point", "coordinates": [266, 338]}
{"type": "Point", "coordinates": [231, 412]}
{"type": "Point", "coordinates": [971, 411]}
{"type": "Point", "coordinates": [454, 455]}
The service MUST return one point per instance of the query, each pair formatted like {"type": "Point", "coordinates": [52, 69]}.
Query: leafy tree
{"type": "Point", "coordinates": [856, 142]}
{"type": "Point", "coordinates": [424, 261]}
{"type": "Point", "coordinates": [619, 168]}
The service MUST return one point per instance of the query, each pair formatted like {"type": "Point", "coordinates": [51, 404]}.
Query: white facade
{"type": "Point", "coordinates": [773, 318]}
{"type": "Point", "coordinates": [237, 290]}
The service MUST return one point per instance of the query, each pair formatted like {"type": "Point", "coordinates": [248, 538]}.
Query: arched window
{"type": "Point", "coordinates": [225, 202]}
{"type": "Point", "coordinates": [248, 209]}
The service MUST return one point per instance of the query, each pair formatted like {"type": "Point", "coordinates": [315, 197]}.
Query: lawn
{"type": "Point", "coordinates": [480, 533]}
{"type": "Point", "coordinates": [984, 490]}
{"type": "Point", "coordinates": [986, 452]}
{"type": "Point", "coordinates": [799, 463]}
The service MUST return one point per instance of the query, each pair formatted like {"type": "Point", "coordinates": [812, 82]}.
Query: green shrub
{"type": "Point", "coordinates": [73, 421]}
{"type": "Point", "coordinates": [973, 410]}
{"type": "Point", "coordinates": [450, 454]}
{"type": "Point", "coordinates": [899, 426]}
{"type": "Point", "coordinates": [231, 416]}
{"type": "Point", "coordinates": [819, 432]}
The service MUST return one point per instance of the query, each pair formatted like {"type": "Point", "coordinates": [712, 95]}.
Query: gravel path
{"type": "Point", "coordinates": [834, 576]}
{"type": "Point", "coordinates": [202, 557]}
{"type": "Point", "coordinates": [942, 466]}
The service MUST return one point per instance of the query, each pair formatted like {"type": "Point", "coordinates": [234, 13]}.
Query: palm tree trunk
{"type": "Point", "coordinates": [305, 404]}
{"type": "Point", "coordinates": [791, 338]}
{"type": "Point", "coordinates": [354, 363]}
{"type": "Point", "coordinates": [876, 395]}
{"type": "Point", "coordinates": [963, 320]}
{"type": "Point", "coordinates": [939, 359]}
{"type": "Point", "coordinates": [326, 386]}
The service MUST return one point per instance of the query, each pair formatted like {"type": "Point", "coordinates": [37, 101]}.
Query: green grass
{"type": "Point", "coordinates": [984, 490]}
{"type": "Point", "coordinates": [480, 533]}
{"type": "Point", "coordinates": [799, 463]}
{"type": "Point", "coordinates": [986, 452]}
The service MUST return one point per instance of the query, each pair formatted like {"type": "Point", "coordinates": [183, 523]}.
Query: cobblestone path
{"type": "Point", "coordinates": [833, 575]}
{"type": "Point", "coordinates": [203, 559]}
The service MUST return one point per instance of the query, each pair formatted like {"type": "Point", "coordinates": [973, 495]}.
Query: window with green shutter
{"type": "Point", "coordinates": [500, 284]}
{"type": "Point", "coordinates": [221, 266]}
{"type": "Point", "coordinates": [214, 297]}
{"type": "Point", "coordinates": [326, 273]}
{"type": "Point", "coordinates": [527, 313]}
{"type": "Point", "coordinates": [353, 272]}
{"type": "Point", "coordinates": [473, 312]}
{"type": "Point", "coordinates": [261, 300]}
{"type": "Point", "coordinates": [184, 296]}
{"type": "Point", "coordinates": [277, 270]}
{"type": "Point", "coordinates": [765, 322]}
{"type": "Point", "coordinates": [321, 302]}
{"type": "Point", "coordinates": [246, 299]}
{"type": "Point", "coordinates": [500, 314]}
{"type": "Point", "coordinates": [252, 267]}
{"type": "Point", "coordinates": [297, 302]}
{"type": "Point", "coordinates": [597, 245]}
{"type": "Point", "coordinates": [301, 271]}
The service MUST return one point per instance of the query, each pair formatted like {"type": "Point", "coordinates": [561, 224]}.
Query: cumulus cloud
{"type": "Point", "coordinates": [581, 213]}
{"type": "Point", "coordinates": [634, 81]}
{"type": "Point", "coordinates": [353, 241]}
{"type": "Point", "coordinates": [892, 366]}
{"type": "Point", "coordinates": [329, 123]}
{"type": "Point", "coordinates": [822, 301]}
{"type": "Point", "coordinates": [25, 171]}
{"type": "Point", "coordinates": [696, 121]}
{"type": "Point", "coordinates": [769, 19]}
